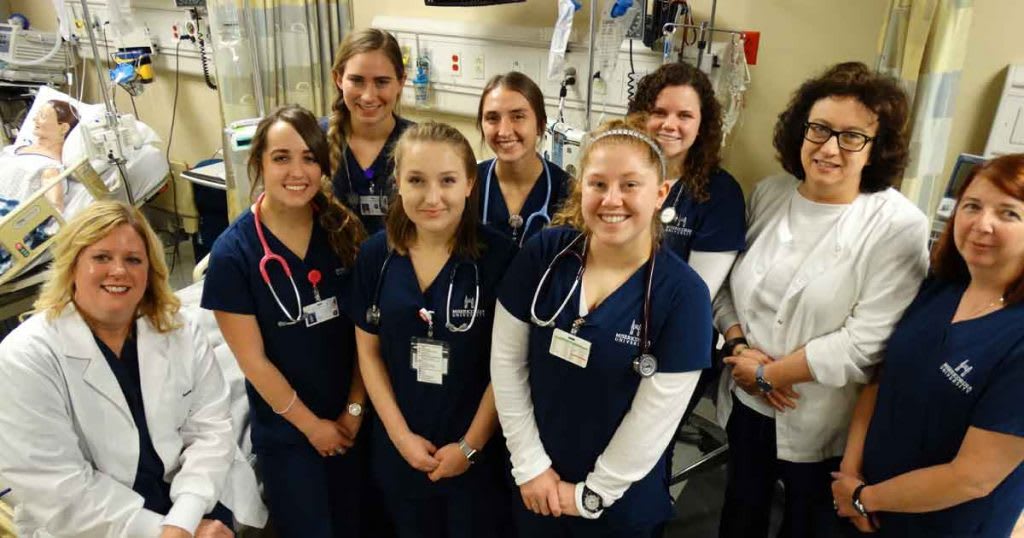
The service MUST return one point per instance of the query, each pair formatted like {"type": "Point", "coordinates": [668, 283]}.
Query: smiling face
{"type": "Point", "coordinates": [509, 124]}
{"type": "Point", "coordinates": [111, 276]}
{"type": "Point", "coordinates": [291, 174]}
{"type": "Point", "coordinates": [832, 174]}
{"type": "Point", "coordinates": [674, 120]}
{"type": "Point", "coordinates": [620, 194]}
{"type": "Point", "coordinates": [989, 229]}
{"type": "Point", "coordinates": [370, 86]}
{"type": "Point", "coordinates": [433, 186]}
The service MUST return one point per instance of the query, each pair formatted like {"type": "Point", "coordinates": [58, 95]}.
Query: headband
{"type": "Point", "coordinates": [639, 136]}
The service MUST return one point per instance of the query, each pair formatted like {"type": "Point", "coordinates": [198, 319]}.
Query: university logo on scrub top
{"type": "Point", "coordinates": [631, 339]}
{"type": "Point", "coordinates": [467, 310]}
{"type": "Point", "coordinates": [678, 227]}
{"type": "Point", "coordinates": [957, 375]}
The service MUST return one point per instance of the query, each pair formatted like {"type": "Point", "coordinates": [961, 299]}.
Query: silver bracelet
{"type": "Point", "coordinates": [295, 396]}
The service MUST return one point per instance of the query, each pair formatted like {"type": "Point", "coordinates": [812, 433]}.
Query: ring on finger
{"type": "Point", "coordinates": [835, 505]}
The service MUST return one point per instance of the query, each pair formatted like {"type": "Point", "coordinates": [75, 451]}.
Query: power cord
{"type": "Point", "coordinates": [203, 60]}
{"type": "Point", "coordinates": [167, 155]}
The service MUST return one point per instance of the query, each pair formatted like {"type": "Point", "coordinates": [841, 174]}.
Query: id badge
{"type": "Point", "coordinates": [320, 311]}
{"type": "Point", "coordinates": [372, 205]}
{"type": "Point", "coordinates": [429, 358]}
{"type": "Point", "coordinates": [570, 348]}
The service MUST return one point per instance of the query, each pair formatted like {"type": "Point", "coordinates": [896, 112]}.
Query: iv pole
{"type": "Point", "coordinates": [111, 115]}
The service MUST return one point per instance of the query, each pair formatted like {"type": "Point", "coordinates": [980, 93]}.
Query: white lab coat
{"type": "Point", "coordinates": [841, 306]}
{"type": "Point", "coordinates": [69, 447]}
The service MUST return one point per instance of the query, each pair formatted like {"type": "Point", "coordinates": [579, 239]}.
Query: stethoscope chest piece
{"type": "Point", "coordinates": [645, 364]}
{"type": "Point", "coordinates": [373, 315]}
{"type": "Point", "coordinates": [668, 215]}
{"type": "Point", "coordinates": [515, 221]}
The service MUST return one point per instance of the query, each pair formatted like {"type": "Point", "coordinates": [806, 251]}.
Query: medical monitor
{"type": "Point", "coordinates": [965, 162]}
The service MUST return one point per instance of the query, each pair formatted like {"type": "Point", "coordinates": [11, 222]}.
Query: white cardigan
{"type": "Point", "coordinates": [841, 305]}
{"type": "Point", "coordinates": [70, 448]}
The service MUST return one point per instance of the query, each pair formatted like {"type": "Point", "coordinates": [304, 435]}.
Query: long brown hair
{"type": "Point", "coordinates": [521, 84]}
{"type": "Point", "coordinates": [359, 42]}
{"type": "Point", "coordinates": [401, 231]}
{"type": "Point", "coordinates": [344, 230]}
{"type": "Point", "coordinates": [1007, 174]}
{"type": "Point", "coordinates": [703, 157]}
{"type": "Point", "coordinates": [571, 213]}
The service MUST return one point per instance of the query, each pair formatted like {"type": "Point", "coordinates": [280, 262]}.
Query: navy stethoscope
{"type": "Point", "coordinates": [645, 364]}
{"type": "Point", "coordinates": [373, 312]}
{"type": "Point", "coordinates": [516, 221]}
{"type": "Point", "coordinates": [269, 256]}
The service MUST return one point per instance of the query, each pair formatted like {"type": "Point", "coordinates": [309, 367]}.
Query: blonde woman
{"type": "Point", "coordinates": [599, 338]}
{"type": "Point", "coordinates": [115, 417]}
{"type": "Point", "coordinates": [363, 127]}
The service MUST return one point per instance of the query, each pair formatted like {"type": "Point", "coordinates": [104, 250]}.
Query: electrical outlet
{"type": "Point", "coordinates": [456, 63]}
{"type": "Point", "coordinates": [478, 67]}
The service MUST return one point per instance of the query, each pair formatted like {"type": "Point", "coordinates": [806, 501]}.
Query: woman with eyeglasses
{"type": "Point", "coordinates": [834, 255]}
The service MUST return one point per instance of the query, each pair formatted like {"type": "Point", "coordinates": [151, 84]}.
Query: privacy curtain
{"type": "Point", "coordinates": [923, 44]}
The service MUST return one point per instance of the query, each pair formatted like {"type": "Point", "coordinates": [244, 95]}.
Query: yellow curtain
{"type": "Point", "coordinates": [923, 44]}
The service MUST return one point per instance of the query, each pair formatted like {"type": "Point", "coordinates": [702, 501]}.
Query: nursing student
{"type": "Point", "coordinates": [423, 302]}
{"type": "Point", "coordinates": [520, 189]}
{"type": "Point", "coordinates": [363, 126]}
{"type": "Point", "coordinates": [704, 217]}
{"type": "Point", "coordinates": [275, 286]}
{"type": "Point", "coordinates": [594, 356]}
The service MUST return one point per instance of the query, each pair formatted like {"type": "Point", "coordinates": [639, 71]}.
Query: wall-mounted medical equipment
{"type": "Point", "coordinates": [31, 55]}
{"type": "Point", "coordinates": [469, 3]}
{"type": "Point", "coordinates": [133, 69]}
{"type": "Point", "coordinates": [1007, 133]}
{"type": "Point", "coordinates": [965, 162]}
{"type": "Point", "coordinates": [562, 145]}
{"type": "Point", "coordinates": [238, 137]}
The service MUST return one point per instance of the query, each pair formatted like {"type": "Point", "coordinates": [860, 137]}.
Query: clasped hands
{"type": "Point", "coordinates": [548, 495]}
{"type": "Point", "coordinates": [438, 463]}
{"type": "Point", "coordinates": [744, 372]}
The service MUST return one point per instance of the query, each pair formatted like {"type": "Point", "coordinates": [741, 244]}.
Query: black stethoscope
{"type": "Point", "coordinates": [645, 364]}
{"type": "Point", "coordinates": [373, 312]}
{"type": "Point", "coordinates": [516, 221]}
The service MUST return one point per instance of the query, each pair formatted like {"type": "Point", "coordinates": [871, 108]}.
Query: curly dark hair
{"type": "Point", "coordinates": [703, 157]}
{"type": "Point", "coordinates": [880, 94]}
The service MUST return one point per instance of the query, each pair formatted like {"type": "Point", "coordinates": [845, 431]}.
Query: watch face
{"type": "Point", "coordinates": [591, 501]}
{"type": "Point", "coordinates": [355, 409]}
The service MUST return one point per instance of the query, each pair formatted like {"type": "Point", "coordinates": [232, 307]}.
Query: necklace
{"type": "Point", "coordinates": [975, 313]}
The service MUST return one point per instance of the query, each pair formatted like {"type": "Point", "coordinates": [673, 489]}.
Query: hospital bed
{"type": "Point", "coordinates": [26, 231]}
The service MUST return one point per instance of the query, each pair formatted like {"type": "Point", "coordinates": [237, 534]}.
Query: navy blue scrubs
{"type": "Point", "coordinates": [352, 181]}
{"type": "Point", "coordinates": [149, 474]}
{"type": "Point", "coordinates": [717, 224]}
{"type": "Point", "coordinates": [308, 495]}
{"type": "Point", "coordinates": [494, 212]}
{"type": "Point", "coordinates": [578, 409]}
{"type": "Point", "coordinates": [453, 507]}
{"type": "Point", "coordinates": [940, 379]}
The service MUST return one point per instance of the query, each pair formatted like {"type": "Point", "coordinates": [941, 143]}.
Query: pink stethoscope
{"type": "Point", "coordinates": [269, 256]}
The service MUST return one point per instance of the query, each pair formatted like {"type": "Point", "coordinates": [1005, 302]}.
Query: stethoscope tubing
{"type": "Point", "coordinates": [373, 312]}
{"type": "Point", "coordinates": [541, 213]}
{"type": "Point", "coordinates": [269, 256]}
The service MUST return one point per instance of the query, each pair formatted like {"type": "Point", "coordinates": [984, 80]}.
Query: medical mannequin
{"type": "Point", "coordinates": [53, 122]}
{"type": "Point", "coordinates": [599, 339]}
{"type": "Point", "coordinates": [936, 446]}
{"type": "Point", "coordinates": [834, 255]}
{"type": "Point", "coordinates": [520, 190]}
{"type": "Point", "coordinates": [423, 302]}
{"type": "Point", "coordinates": [363, 127]}
{"type": "Point", "coordinates": [276, 283]}
{"type": "Point", "coordinates": [115, 418]}
{"type": "Point", "coordinates": [703, 217]}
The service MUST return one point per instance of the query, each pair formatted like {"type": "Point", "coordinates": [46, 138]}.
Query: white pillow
{"type": "Point", "coordinates": [45, 95]}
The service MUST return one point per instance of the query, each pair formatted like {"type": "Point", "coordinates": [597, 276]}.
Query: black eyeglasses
{"type": "Point", "coordinates": [848, 140]}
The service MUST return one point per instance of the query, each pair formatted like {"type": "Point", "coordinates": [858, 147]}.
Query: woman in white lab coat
{"type": "Point", "coordinates": [115, 416]}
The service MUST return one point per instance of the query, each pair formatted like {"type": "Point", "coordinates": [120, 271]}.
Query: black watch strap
{"type": "Point", "coordinates": [729, 347]}
{"type": "Point", "coordinates": [857, 505]}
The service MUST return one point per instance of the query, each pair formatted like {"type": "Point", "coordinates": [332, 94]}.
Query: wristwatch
{"type": "Point", "coordinates": [472, 454]}
{"type": "Point", "coordinates": [355, 409]}
{"type": "Point", "coordinates": [592, 502]}
{"type": "Point", "coordinates": [730, 345]}
{"type": "Point", "coordinates": [762, 383]}
{"type": "Point", "coordinates": [857, 505]}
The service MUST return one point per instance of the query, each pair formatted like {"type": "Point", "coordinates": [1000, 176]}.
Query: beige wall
{"type": "Point", "coordinates": [798, 39]}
